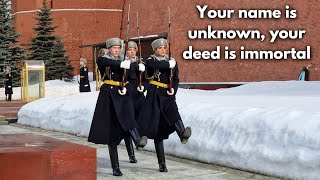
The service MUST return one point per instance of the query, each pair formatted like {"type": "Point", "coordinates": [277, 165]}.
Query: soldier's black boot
{"type": "Point", "coordinates": [113, 152]}
{"type": "Point", "coordinates": [6, 97]}
{"type": "Point", "coordinates": [137, 139]}
{"type": "Point", "coordinates": [9, 99]}
{"type": "Point", "coordinates": [130, 150]}
{"type": "Point", "coordinates": [183, 133]}
{"type": "Point", "coordinates": [160, 155]}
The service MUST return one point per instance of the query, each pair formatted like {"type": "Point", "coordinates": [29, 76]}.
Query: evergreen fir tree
{"type": "Point", "coordinates": [62, 68]}
{"type": "Point", "coordinates": [43, 44]}
{"type": "Point", "coordinates": [5, 40]}
{"type": "Point", "coordinates": [10, 52]}
{"type": "Point", "coordinates": [70, 69]}
{"type": "Point", "coordinates": [17, 55]}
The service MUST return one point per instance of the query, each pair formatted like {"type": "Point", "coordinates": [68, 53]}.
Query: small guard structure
{"type": "Point", "coordinates": [32, 80]}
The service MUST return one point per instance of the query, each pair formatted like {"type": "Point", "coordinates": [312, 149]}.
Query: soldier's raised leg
{"type": "Point", "coordinates": [139, 141]}
{"type": "Point", "coordinates": [183, 133]}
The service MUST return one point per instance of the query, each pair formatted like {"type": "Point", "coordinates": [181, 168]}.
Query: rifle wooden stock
{"type": "Point", "coordinates": [139, 52]}
{"type": "Point", "coordinates": [124, 70]}
{"type": "Point", "coordinates": [140, 73]}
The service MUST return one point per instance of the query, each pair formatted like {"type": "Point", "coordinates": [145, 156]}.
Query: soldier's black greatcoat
{"type": "Point", "coordinates": [84, 80]}
{"type": "Point", "coordinates": [160, 110]}
{"type": "Point", "coordinates": [8, 84]}
{"type": "Point", "coordinates": [114, 113]}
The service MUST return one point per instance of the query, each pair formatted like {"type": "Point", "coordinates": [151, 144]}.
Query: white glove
{"type": "Point", "coordinates": [142, 68]}
{"type": "Point", "coordinates": [172, 63]}
{"type": "Point", "coordinates": [123, 92]}
{"type": "Point", "coordinates": [86, 85]}
{"type": "Point", "coordinates": [9, 86]}
{"type": "Point", "coordinates": [140, 90]}
{"type": "Point", "coordinates": [125, 64]}
{"type": "Point", "coordinates": [172, 92]}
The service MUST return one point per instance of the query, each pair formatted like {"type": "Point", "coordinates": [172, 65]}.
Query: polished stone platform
{"type": "Point", "coordinates": [34, 157]}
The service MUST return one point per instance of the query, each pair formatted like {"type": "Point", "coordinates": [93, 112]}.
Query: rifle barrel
{"type": "Point", "coordinates": [125, 50]}
{"type": "Point", "coordinates": [139, 50]}
{"type": "Point", "coordinates": [170, 55]}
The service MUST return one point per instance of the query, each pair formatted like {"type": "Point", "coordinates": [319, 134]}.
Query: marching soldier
{"type": "Point", "coordinates": [114, 113]}
{"type": "Point", "coordinates": [160, 116]}
{"type": "Point", "coordinates": [136, 92]}
{"type": "Point", "coordinates": [8, 84]}
{"type": "Point", "coordinates": [84, 78]}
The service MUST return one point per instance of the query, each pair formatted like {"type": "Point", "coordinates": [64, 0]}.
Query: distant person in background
{"type": "Point", "coordinates": [304, 74]}
{"type": "Point", "coordinates": [8, 84]}
{"type": "Point", "coordinates": [84, 78]}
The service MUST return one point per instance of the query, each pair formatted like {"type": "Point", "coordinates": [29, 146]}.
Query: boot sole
{"type": "Point", "coordinates": [186, 134]}
{"type": "Point", "coordinates": [143, 142]}
{"type": "Point", "coordinates": [163, 169]}
{"type": "Point", "coordinates": [133, 160]}
{"type": "Point", "coordinates": [117, 173]}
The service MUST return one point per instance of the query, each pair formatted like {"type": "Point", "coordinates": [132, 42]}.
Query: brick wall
{"type": "Point", "coordinates": [75, 27]}
{"type": "Point", "coordinates": [27, 5]}
{"type": "Point", "coordinates": [88, 27]}
{"type": "Point", "coordinates": [154, 19]}
{"type": "Point", "coordinates": [92, 4]}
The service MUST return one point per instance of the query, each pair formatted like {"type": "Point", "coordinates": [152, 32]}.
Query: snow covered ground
{"type": "Point", "coordinates": [267, 127]}
{"type": "Point", "coordinates": [54, 88]}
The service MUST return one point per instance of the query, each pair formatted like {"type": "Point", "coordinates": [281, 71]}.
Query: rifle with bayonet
{"type": "Point", "coordinates": [169, 39]}
{"type": "Point", "coordinates": [139, 51]}
{"type": "Point", "coordinates": [125, 51]}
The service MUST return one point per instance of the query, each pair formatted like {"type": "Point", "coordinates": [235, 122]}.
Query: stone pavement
{"type": "Point", "coordinates": [147, 167]}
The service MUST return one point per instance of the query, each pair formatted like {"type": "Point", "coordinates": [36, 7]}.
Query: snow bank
{"type": "Point", "coordinates": [267, 127]}
{"type": "Point", "coordinates": [54, 88]}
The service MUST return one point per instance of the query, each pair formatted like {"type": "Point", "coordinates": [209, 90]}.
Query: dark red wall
{"type": "Point", "coordinates": [185, 16]}
{"type": "Point", "coordinates": [89, 27]}
{"type": "Point", "coordinates": [75, 27]}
